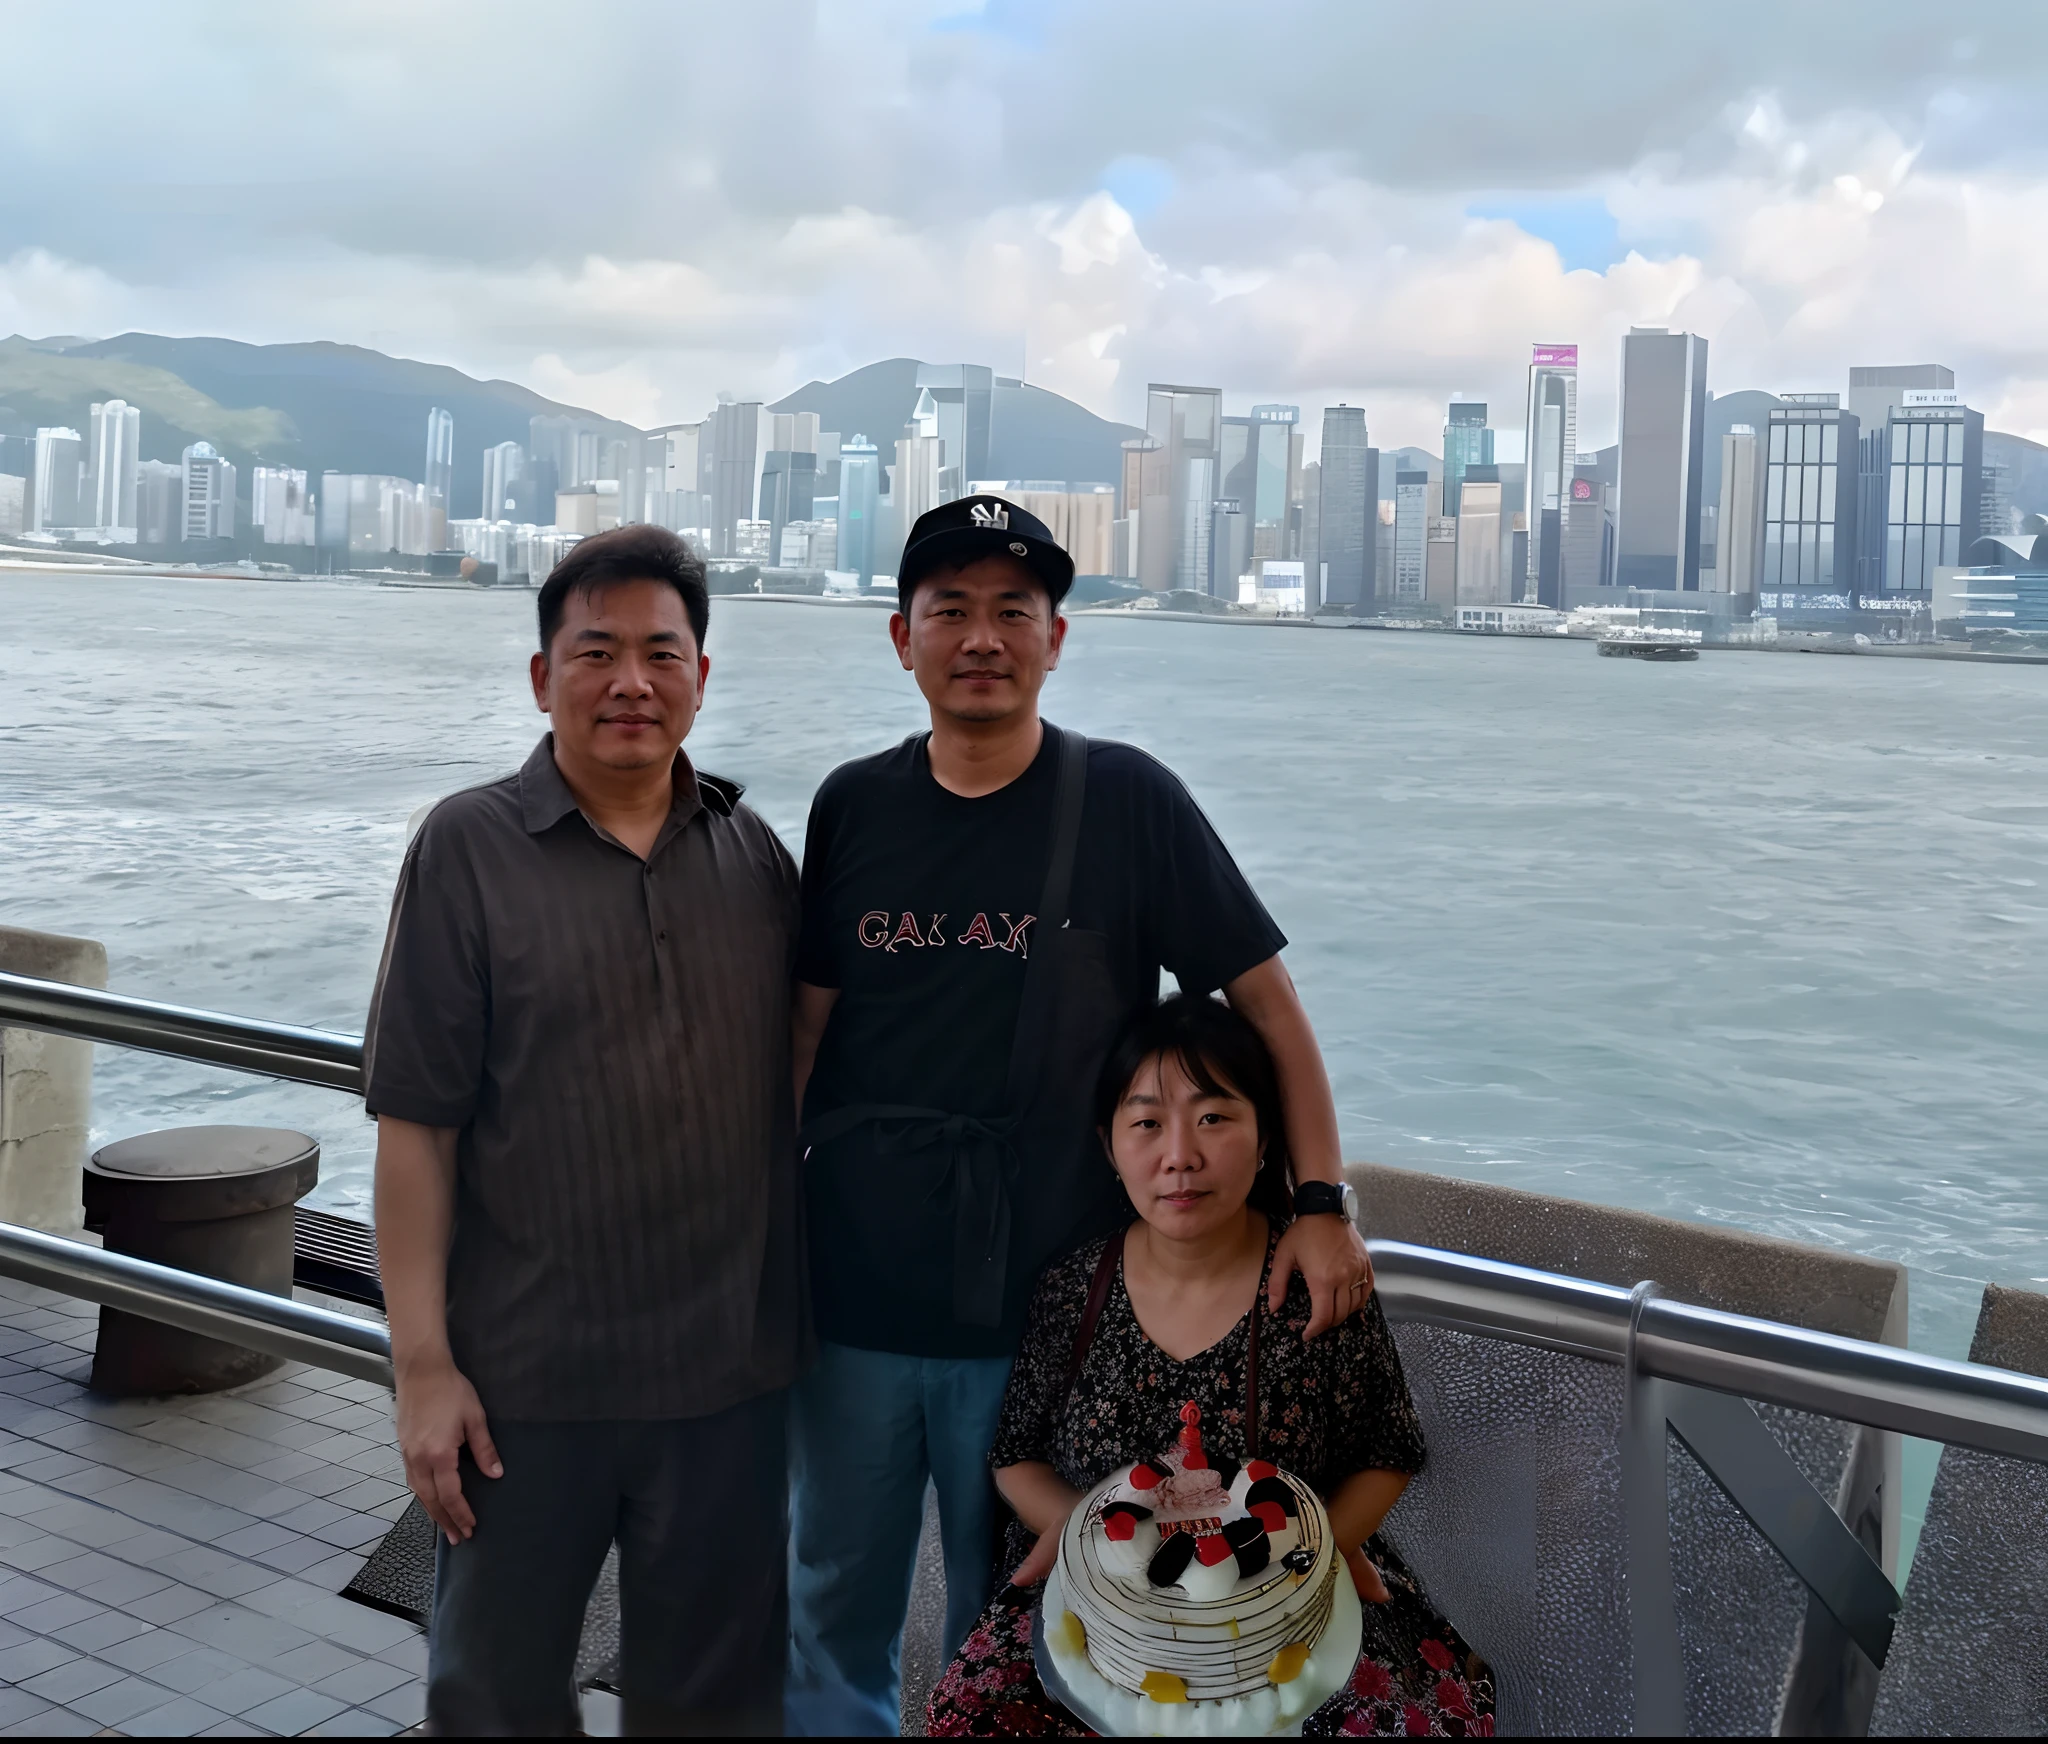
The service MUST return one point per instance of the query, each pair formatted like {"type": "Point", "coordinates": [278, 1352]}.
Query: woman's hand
{"type": "Point", "coordinates": [1045, 1551]}
{"type": "Point", "coordinates": [1365, 1577]}
{"type": "Point", "coordinates": [1042, 1500]}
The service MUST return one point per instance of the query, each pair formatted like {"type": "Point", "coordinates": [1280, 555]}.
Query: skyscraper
{"type": "Point", "coordinates": [1809, 508]}
{"type": "Point", "coordinates": [279, 507]}
{"type": "Point", "coordinates": [1467, 442]}
{"type": "Point", "coordinates": [1177, 487]}
{"type": "Point", "coordinates": [963, 395]}
{"type": "Point", "coordinates": [1662, 460]}
{"type": "Point", "coordinates": [160, 502]}
{"type": "Point", "coordinates": [116, 440]}
{"type": "Point", "coordinates": [1349, 507]}
{"type": "Point", "coordinates": [1550, 451]}
{"type": "Point", "coordinates": [1411, 535]}
{"type": "Point", "coordinates": [504, 466]}
{"type": "Point", "coordinates": [1237, 469]}
{"type": "Point", "coordinates": [59, 480]}
{"type": "Point", "coordinates": [1739, 527]}
{"type": "Point", "coordinates": [209, 494]}
{"type": "Point", "coordinates": [1933, 501]}
{"type": "Point", "coordinates": [440, 474]}
{"type": "Point", "coordinates": [1275, 461]}
{"type": "Point", "coordinates": [1312, 537]}
{"type": "Point", "coordinates": [1874, 390]}
{"type": "Point", "coordinates": [860, 493]}
{"type": "Point", "coordinates": [1479, 580]}
{"type": "Point", "coordinates": [731, 462]}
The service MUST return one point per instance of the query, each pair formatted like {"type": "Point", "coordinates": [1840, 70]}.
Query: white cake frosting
{"type": "Point", "coordinates": [1180, 1588]}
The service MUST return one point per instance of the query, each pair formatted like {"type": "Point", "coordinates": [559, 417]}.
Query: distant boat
{"type": "Point", "coordinates": [1638, 649]}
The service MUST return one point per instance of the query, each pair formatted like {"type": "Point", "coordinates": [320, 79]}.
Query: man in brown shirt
{"type": "Point", "coordinates": [578, 1057]}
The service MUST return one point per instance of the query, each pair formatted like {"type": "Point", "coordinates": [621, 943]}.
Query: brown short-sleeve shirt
{"type": "Point", "coordinates": [612, 1039]}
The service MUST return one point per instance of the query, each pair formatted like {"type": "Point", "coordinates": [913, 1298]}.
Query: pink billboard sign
{"type": "Point", "coordinates": [1559, 356]}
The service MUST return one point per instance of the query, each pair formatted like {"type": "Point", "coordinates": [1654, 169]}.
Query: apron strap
{"type": "Point", "coordinates": [1041, 970]}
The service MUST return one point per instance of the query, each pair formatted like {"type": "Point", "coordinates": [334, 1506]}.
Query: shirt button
{"type": "Point", "coordinates": [661, 938]}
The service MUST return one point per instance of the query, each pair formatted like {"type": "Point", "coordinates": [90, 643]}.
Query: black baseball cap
{"type": "Point", "coordinates": [956, 534]}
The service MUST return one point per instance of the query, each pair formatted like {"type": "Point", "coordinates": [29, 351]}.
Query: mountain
{"type": "Point", "coordinates": [320, 406]}
{"type": "Point", "coordinates": [1032, 433]}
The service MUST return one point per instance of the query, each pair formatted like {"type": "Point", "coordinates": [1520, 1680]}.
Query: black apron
{"type": "Point", "coordinates": [1065, 1020]}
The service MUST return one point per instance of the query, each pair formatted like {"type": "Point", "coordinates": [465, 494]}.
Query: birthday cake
{"type": "Point", "coordinates": [1194, 1596]}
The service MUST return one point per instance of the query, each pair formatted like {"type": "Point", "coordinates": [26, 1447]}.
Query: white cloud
{"type": "Point", "coordinates": [667, 201]}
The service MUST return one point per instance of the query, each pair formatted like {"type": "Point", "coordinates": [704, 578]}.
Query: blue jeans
{"type": "Point", "coordinates": [866, 1429]}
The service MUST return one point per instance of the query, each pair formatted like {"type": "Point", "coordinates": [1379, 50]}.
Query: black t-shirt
{"type": "Point", "coordinates": [918, 907]}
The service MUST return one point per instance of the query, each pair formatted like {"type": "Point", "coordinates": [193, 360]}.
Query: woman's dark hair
{"type": "Point", "coordinates": [1222, 1055]}
{"type": "Point", "coordinates": [635, 553]}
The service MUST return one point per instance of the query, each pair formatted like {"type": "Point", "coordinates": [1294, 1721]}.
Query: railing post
{"type": "Point", "coordinates": [1657, 1663]}
{"type": "Point", "coordinates": [45, 1090]}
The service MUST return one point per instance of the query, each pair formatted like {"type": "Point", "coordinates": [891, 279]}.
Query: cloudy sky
{"type": "Point", "coordinates": [636, 206]}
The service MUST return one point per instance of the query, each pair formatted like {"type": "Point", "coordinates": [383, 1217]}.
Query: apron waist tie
{"type": "Point", "coordinates": [980, 1157]}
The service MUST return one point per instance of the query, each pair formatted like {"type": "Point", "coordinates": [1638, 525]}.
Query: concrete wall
{"type": "Point", "coordinates": [1970, 1654]}
{"type": "Point", "coordinates": [1516, 1525]}
{"type": "Point", "coordinates": [45, 1090]}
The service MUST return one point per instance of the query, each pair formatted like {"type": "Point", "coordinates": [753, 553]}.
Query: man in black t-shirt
{"type": "Point", "coordinates": [959, 979]}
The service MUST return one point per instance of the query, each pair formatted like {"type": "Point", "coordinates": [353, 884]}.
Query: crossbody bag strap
{"type": "Point", "coordinates": [1251, 1363]}
{"type": "Point", "coordinates": [1098, 1294]}
{"type": "Point", "coordinates": [1034, 1010]}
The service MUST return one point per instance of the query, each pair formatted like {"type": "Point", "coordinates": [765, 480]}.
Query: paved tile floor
{"type": "Point", "coordinates": [174, 1567]}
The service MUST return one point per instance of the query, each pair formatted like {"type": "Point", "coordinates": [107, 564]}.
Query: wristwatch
{"type": "Point", "coordinates": [1318, 1198]}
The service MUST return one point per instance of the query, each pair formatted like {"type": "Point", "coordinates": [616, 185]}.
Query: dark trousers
{"type": "Point", "coordinates": [699, 1510]}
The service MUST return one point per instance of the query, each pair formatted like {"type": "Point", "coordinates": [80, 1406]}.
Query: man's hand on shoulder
{"type": "Point", "coordinates": [1331, 1258]}
{"type": "Point", "coordinates": [438, 1413]}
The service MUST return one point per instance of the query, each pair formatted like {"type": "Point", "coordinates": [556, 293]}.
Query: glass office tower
{"type": "Point", "coordinates": [1933, 489]}
{"type": "Point", "coordinates": [1177, 487]}
{"type": "Point", "coordinates": [1662, 463]}
{"type": "Point", "coordinates": [1467, 442]}
{"type": "Point", "coordinates": [1550, 452]}
{"type": "Point", "coordinates": [1810, 493]}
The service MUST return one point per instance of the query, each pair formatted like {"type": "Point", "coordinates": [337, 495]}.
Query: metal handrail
{"type": "Point", "coordinates": [277, 1050]}
{"type": "Point", "coordinates": [253, 1319]}
{"type": "Point", "coordinates": [1969, 1404]}
{"type": "Point", "coordinates": [1996, 1410]}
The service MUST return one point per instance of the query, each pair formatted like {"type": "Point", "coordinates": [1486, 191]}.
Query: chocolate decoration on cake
{"type": "Point", "coordinates": [1171, 1562]}
{"type": "Point", "coordinates": [1299, 1560]}
{"type": "Point", "coordinates": [1131, 1508]}
{"type": "Point", "coordinates": [1248, 1539]}
{"type": "Point", "coordinates": [1225, 1467]}
{"type": "Point", "coordinates": [1273, 1489]}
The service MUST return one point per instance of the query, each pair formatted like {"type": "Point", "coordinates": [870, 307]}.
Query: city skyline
{"type": "Point", "coordinates": [1089, 198]}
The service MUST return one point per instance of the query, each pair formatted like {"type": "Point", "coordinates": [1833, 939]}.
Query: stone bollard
{"type": "Point", "coordinates": [45, 1090]}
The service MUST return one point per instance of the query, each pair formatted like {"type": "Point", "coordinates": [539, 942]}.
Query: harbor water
{"type": "Point", "coordinates": [1760, 940]}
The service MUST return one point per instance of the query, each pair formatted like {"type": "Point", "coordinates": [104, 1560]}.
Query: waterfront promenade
{"type": "Point", "coordinates": [174, 1567]}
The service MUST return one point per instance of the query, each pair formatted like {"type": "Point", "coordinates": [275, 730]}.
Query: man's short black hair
{"type": "Point", "coordinates": [637, 553]}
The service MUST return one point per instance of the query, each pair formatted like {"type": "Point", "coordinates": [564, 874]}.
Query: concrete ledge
{"type": "Point", "coordinates": [1971, 1651]}
{"type": "Point", "coordinates": [1516, 1523]}
{"type": "Point", "coordinates": [45, 1090]}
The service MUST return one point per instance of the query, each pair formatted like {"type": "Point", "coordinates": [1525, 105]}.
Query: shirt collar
{"type": "Point", "coordinates": [545, 799]}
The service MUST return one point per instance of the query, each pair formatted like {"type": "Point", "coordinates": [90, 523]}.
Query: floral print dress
{"type": "Point", "coordinates": [1326, 1410]}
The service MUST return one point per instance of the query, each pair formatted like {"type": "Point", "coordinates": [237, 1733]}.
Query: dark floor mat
{"type": "Point", "coordinates": [398, 1577]}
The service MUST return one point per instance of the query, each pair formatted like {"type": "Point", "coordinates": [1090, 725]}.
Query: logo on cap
{"type": "Point", "coordinates": [990, 515]}
{"type": "Point", "coordinates": [1019, 548]}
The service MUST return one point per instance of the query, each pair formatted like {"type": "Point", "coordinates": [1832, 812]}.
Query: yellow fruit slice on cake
{"type": "Point", "coordinates": [1163, 1686]}
{"type": "Point", "coordinates": [1287, 1663]}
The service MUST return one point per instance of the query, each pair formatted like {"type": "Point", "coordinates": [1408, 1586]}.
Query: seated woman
{"type": "Point", "coordinates": [1189, 1110]}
